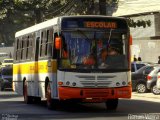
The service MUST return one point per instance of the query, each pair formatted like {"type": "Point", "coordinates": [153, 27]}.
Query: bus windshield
{"type": "Point", "coordinates": [94, 49]}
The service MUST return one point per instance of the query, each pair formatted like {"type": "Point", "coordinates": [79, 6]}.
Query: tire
{"type": "Point", "coordinates": [27, 99]}
{"type": "Point", "coordinates": [37, 100]}
{"type": "Point", "coordinates": [112, 104]}
{"type": "Point", "coordinates": [155, 90]}
{"type": "Point", "coordinates": [51, 104]}
{"type": "Point", "coordinates": [141, 88]}
{"type": "Point", "coordinates": [2, 87]}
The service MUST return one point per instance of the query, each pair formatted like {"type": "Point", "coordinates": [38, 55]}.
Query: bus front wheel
{"type": "Point", "coordinates": [112, 104]}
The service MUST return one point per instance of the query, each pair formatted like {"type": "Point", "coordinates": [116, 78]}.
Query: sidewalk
{"type": "Point", "coordinates": [146, 97]}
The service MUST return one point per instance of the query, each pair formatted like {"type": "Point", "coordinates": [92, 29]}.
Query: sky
{"type": "Point", "coordinates": [127, 7]}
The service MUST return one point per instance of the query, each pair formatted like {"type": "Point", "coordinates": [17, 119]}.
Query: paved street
{"type": "Point", "coordinates": [146, 97]}
{"type": "Point", "coordinates": [12, 106]}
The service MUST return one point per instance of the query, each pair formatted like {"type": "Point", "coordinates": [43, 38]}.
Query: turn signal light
{"type": "Point", "coordinates": [60, 83]}
{"type": "Point", "coordinates": [149, 77]}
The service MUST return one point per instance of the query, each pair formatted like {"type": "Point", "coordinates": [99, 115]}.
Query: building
{"type": "Point", "coordinates": [146, 40]}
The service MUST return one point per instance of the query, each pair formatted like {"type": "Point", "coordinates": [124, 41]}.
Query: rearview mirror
{"type": "Point", "coordinates": [130, 40]}
{"type": "Point", "coordinates": [58, 43]}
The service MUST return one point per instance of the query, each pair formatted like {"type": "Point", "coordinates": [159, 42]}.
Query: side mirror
{"type": "Point", "coordinates": [130, 39]}
{"type": "Point", "coordinates": [58, 43]}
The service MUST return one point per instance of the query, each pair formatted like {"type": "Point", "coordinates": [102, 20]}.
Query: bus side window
{"type": "Point", "coordinates": [55, 52]}
{"type": "Point", "coordinates": [16, 49]}
{"type": "Point", "coordinates": [20, 49]}
{"type": "Point", "coordinates": [30, 54]}
{"type": "Point", "coordinates": [17, 52]}
{"type": "Point", "coordinates": [46, 43]}
{"type": "Point", "coordinates": [37, 48]}
{"type": "Point", "coordinates": [49, 42]}
{"type": "Point", "coordinates": [41, 43]}
{"type": "Point", "coordinates": [27, 45]}
{"type": "Point", "coordinates": [24, 48]}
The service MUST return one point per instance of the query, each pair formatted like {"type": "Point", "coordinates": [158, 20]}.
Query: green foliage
{"type": "Point", "coordinates": [19, 14]}
{"type": "Point", "coordinates": [139, 23]}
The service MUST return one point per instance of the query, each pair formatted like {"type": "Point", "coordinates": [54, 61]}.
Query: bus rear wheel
{"type": "Point", "coordinates": [27, 99]}
{"type": "Point", "coordinates": [112, 104]}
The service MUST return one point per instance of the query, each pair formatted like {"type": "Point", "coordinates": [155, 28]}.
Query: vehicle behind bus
{"type": "Point", "coordinates": [82, 58]}
{"type": "Point", "coordinates": [6, 76]}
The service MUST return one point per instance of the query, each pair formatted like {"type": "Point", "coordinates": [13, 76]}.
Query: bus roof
{"type": "Point", "coordinates": [54, 21]}
{"type": "Point", "coordinates": [36, 27]}
{"type": "Point", "coordinates": [3, 53]}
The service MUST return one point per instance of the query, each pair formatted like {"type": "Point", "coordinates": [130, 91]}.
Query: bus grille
{"type": "Point", "coordinates": [95, 81]}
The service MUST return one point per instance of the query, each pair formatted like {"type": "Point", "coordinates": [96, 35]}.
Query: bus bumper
{"type": "Point", "coordinates": [89, 94]}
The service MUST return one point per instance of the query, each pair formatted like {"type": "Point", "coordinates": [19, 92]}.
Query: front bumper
{"type": "Point", "coordinates": [88, 94]}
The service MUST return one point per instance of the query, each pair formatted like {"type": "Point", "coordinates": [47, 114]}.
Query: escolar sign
{"type": "Point", "coordinates": [100, 24]}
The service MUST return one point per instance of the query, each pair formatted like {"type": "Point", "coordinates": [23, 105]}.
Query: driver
{"type": "Point", "coordinates": [90, 60]}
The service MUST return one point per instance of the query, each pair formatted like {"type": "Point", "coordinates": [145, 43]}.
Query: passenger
{"type": "Point", "coordinates": [103, 54]}
{"type": "Point", "coordinates": [90, 60]}
{"type": "Point", "coordinates": [139, 59]}
{"type": "Point", "coordinates": [158, 59]}
{"type": "Point", "coordinates": [103, 57]}
{"type": "Point", "coordinates": [134, 59]}
{"type": "Point", "coordinates": [112, 51]}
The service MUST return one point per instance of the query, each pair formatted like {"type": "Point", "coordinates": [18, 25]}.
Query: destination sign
{"type": "Point", "coordinates": [91, 24]}
{"type": "Point", "coordinates": [97, 23]}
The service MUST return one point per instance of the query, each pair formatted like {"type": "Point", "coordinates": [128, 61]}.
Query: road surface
{"type": "Point", "coordinates": [146, 105]}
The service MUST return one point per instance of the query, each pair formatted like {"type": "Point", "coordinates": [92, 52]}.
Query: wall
{"type": "Point", "coordinates": [148, 50]}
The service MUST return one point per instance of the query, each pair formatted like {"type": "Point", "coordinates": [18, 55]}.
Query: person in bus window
{"type": "Point", "coordinates": [89, 60]}
{"type": "Point", "coordinates": [64, 49]}
{"type": "Point", "coordinates": [134, 59]}
{"type": "Point", "coordinates": [139, 59]}
{"type": "Point", "coordinates": [103, 56]}
{"type": "Point", "coordinates": [112, 51]}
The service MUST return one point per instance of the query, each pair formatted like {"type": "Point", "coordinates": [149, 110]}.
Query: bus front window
{"type": "Point", "coordinates": [93, 50]}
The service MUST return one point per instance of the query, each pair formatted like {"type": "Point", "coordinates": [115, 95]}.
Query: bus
{"type": "Point", "coordinates": [74, 58]}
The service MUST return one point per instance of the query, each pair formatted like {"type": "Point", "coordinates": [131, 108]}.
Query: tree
{"type": "Point", "coordinates": [139, 23]}
{"type": "Point", "coordinates": [19, 14]}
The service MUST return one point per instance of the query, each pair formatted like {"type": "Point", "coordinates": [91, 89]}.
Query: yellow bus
{"type": "Point", "coordinates": [75, 58]}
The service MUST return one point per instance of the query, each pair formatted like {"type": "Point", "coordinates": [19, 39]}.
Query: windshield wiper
{"type": "Point", "coordinates": [109, 39]}
{"type": "Point", "coordinates": [82, 33]}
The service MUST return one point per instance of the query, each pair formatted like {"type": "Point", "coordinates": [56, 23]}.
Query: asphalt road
{"type": "Point", "coordinates": [140, 106]}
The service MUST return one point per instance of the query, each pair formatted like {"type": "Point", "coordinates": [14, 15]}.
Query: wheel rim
{"type": "Point", "coordinates": [156, 90]}
{"type": "Point", "coordinates": [141, 88]}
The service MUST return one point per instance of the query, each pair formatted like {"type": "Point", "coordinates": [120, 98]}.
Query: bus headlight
{"type": "Point", "coordinates": [67, 83]}
{"type": "Point", "coordinates": [117, 84]}
{"type": "Point", "coordinates": [123, 83]}
{"type": "Point", "coordinates": [73, 84]}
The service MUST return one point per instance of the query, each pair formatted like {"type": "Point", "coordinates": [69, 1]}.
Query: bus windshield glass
{"type": "Point", "coordinates": [94, 49]}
